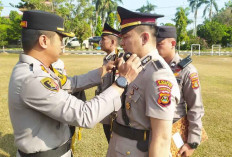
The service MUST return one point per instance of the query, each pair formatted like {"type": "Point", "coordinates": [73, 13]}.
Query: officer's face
{"type": "Point", "coordinates": [106, 44]}
{"type": "Point", "coordinates": [56, 46]}
{"type": "Point", "coordinates": [165, 47]}
{"type": "Point", "coordinates": [131, 42]}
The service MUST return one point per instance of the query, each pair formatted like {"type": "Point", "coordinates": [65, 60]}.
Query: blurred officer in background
{"type": "Point", "coordinates": [145, 120]}
{"type": "Point", "coordinates": [109, 43]}
{"type": "Point", "coordinates": [190, 91]}
{"type": "Point", "coordinates": [40, 107]}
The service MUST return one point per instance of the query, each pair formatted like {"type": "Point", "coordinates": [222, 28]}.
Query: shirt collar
{"type": "Point", "coordinates": [175, 60]}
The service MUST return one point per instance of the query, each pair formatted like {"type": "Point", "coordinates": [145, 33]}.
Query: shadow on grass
{"type": "Point", "coordinates": [7, 145]}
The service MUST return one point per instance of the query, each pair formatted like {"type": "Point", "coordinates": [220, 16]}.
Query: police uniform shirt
{"type": "Point", "coordinates": [106, 82]}
{"type": "Point", "coordinates": [59, 65]}
{"type": "Point", "coordinates": [44, 110]}
{"type": "Point", "coordinates": [190, 97]}
{"type": "Point", "coordinates": [154, 93]}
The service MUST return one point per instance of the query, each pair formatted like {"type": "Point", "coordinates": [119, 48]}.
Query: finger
{"type": "Point", "coordinates": [132, 57]}
{"type": "Point", "coordinates": [120, 62]}
{"type": "Point", "coordinates": [181, 151]}
{"type": "Point", "coordinates": [140, 68]}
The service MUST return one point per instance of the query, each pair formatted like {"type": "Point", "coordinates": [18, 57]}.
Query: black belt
{"type": "Point", "coordinates": [142, 136]}
{"type": "Point", "coordinates": [57, 152]}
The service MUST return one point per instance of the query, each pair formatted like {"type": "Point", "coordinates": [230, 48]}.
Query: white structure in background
{"type": "Point", "coordinates": [219, 49]}
{"type": "Point", "coordinates": [199, 46]}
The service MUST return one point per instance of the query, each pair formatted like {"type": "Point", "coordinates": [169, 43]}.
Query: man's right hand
{"type": "Point", "coordinates": [130, 69]}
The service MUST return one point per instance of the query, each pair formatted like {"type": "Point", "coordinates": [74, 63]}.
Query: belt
{"type": "Point", "coordinates": [141, 136]}
{"type": "Point", "coordinates": [129, 132]}
{"type": "Point", "coordinates": [57, 152]}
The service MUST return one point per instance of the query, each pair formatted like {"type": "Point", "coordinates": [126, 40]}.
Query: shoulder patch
{"type": "Point", "coordinates": [164, 83]}
{"type": "Point", "coordinates": [194, 80]}
{"type": "Point", "coordinates": [158, 64]}
{"type": "Point", "coordinates": [50, 84]}
{"type": "Point", "coordinates": [146, 60]}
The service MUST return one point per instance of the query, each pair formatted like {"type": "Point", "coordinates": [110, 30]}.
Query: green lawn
{"type": "Point", "coordinates": [216, 80]}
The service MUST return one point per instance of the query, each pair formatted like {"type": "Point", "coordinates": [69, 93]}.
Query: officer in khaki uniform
{"type": "Point", "coordinates": [109, 43]}
{"type": "Point", "coordinates": [40, 107]}
{"type": "Point", "coordinates": [143, 124]}
{"type": "Point", "coordinates": [190, 91]}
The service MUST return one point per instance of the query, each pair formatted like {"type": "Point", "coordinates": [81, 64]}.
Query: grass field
{"type": "Point", "coordinates": [216, 80]}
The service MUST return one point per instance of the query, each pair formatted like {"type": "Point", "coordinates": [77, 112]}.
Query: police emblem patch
{"type": "Point", "coordinates": [62, 77]}
{"type": "Point", "coordinates": [164, 99]}
{"type": "Point", "coordinates": [194, 80]}
{"type": "Point", "coordinates": [50, 84]}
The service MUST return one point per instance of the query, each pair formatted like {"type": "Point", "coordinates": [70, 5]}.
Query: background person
{"type": "Point", "coordinates": [148, 105]}
{"type": "Point", "coordinates": [40, 109]}
{"type": "Point", "coordinates": [109, 43]}
{"type": "Point", "coordinates": [190, 91]}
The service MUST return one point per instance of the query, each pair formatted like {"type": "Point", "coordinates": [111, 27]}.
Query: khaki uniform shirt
{"type": "Point", "coordinates": [154, 93]}
{"type": "Point", "coordinates": [190, 98]}
{"type": "Point", "coordinates": [40, 110]}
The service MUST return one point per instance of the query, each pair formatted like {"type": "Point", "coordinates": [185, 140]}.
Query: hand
{"type": "Point", "coordinates": [186, 150]}
{"type": "Point", "coordinates": [130, 69]}
{"type": "Point", "coordinates": [107, 67]}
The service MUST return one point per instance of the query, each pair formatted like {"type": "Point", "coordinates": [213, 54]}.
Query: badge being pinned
{"type": "Point", "coordinates": [50, 84]}
{"type": "Point", "coordinates": [164, 99]}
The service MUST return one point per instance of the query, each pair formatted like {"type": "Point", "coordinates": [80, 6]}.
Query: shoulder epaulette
{"type": "Point", "coordinates": [158, 64]}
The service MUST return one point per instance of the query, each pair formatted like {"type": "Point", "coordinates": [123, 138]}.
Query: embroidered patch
{"type": "Point", "coordinates": [194, 80]}
{"type": "Point", "coordinates": [50, 84]}
{"type": "Point", "coordinates": [164, 83]}
{"type": "Point", "coordinates": [164, 89]}
{"type": "Point", "coordinates": [164, 99]}
{"type": "Point", "coordinates": [43, 68]}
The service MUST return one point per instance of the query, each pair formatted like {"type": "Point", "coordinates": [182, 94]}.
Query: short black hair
{"type": "Point", "coordinates": [30, 37]}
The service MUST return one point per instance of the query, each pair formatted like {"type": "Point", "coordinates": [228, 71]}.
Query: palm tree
{"type": "Point", "coordinates": [147, 8]}
{"type": "Point", "coordinates": [105, 7]}
{"type": "Point", "coordinates": [209, 7]}
{"type": "Point", "coordinates": [195, 5]}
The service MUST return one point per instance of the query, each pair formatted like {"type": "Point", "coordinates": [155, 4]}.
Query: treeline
{"type": "Point", "coordinates": [86, 18]}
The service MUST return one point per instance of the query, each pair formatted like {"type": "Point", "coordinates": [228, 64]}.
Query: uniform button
{"type": "Point", "coordinates": [129, 97]}
{"type": "Point", "coordinates": [128, 106]}
{"type": "Point", "coordinates": [128, 153]}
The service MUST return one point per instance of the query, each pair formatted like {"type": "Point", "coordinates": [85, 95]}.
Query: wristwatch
{"type": "Point", "coordinates": [121, 82]}
{"type": "Point", "coordinates": [193, 145]}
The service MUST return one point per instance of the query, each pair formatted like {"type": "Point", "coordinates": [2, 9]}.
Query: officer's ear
{"type": "Point", "coordinates": [145, 37]}
{"type": "Point", "coordinates": [43, 41]}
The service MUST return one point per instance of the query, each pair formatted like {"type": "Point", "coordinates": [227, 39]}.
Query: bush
{"type": "Point", "coordinates": [194, 40]}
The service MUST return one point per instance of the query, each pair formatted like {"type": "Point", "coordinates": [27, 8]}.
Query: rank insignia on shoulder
{"type": "Point", "coordinates": [146, 60]}
{"type": "Point", "coordinates": [50, 84]}
{"type": "Point", "coordinates": [164, 99]}
{"type": "Point", "coordinates": [158, 64]}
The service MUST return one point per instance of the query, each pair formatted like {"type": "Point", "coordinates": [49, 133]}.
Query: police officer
{"type": "Point", "coordinates": [109, 43]}
{"type": "Point", "coordinates": [187, 77]}
{"type": "Point", "coordinates": [40, 107]}
{"type": "Point", "coordinates": [148, 105]}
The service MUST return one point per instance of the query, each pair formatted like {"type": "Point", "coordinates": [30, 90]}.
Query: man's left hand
{"type": "Point", "coordinates": [186, 150]}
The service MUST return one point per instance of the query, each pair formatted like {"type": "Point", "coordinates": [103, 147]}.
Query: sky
{"type": "Point", "coordinates": [164, 7]}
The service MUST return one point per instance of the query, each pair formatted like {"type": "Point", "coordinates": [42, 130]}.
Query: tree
{"type": "Point", "coordinates": [186, 12]}
{"type": "Point", "coordinates": [212, 32]}
{"type": "Point", "coordinates": [181, 25]}
{"type": "Point", "coordinates": [111, 20]}
{"type": "Point", "coordinates": [147, 8]}
{"type": "Point", "coordinates": [227, 38]}
{"type": "Point", "coordinates": [195, 5]}
{"type": "Point", "coordinates": [209, 7]}
{"type": "Point", "coordinates": [224, 16]}
{"type": "Point", "coordinates": [98, 30]}
{"type": "Point", "coordinates": [14, 29]}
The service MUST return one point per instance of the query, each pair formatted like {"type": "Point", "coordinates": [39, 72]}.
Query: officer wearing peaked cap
{"type": "Point", "coordinates": [40, 107]}
{"type": "Point", "coordinates": [143, 124]}
{"type": "Point", "coordinates": [188, 80]}
{"type": "Point", "coordinates": [109, 43]}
